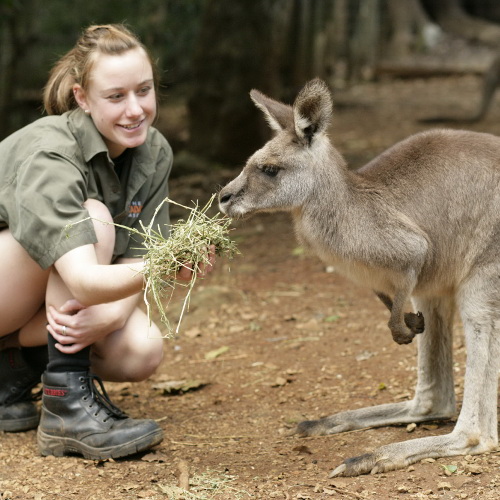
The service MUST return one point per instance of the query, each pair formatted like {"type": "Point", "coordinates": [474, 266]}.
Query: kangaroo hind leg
{"type": "Point", "coordinates": [480, 311]}
{"type": "Point", "coordinates": [434, 396]}
{"type": "Point", "coordinates": [476, 428]}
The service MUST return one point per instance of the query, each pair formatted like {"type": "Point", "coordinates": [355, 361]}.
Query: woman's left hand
{"type": "Point", "coordinates": [75, 326]}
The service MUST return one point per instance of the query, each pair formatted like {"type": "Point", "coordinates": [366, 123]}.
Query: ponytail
{"type": "Point", "coordinates": [75, 66]}
{"type": "Point", "coordinates": [58, 93]}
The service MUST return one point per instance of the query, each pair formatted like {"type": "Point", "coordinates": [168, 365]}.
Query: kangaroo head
{"type": "Point", "coordinates": [281, 175]}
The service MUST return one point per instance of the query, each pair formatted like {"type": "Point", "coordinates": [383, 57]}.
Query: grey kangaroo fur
{"type": "Point", "coordinates": [422, 220]}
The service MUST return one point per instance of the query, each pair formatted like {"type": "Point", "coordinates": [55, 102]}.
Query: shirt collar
{"type": "Point", "coordinates": [88, 137]}
{"type": "Point", "coordinates": [92, 143]}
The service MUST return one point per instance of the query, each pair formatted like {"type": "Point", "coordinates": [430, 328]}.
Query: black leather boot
{"type": "Point", "coordinates": [17, 409]}
{"type": "Point", "coordinates": [77, 418]}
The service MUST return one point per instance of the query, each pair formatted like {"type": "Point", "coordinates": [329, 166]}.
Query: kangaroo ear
{"type": "Point", "coordinates": [312, 110]}
{"type": "Point", "coordinates": [278, 115]}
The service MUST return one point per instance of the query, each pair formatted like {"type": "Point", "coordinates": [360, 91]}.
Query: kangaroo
{"type": "Point", "coordinates": [422, 220]}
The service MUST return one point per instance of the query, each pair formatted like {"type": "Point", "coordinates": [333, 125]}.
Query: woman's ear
{"type": "Point", "coordinates": [80, 98]}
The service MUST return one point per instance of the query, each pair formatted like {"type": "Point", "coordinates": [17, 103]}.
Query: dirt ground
{"type": "Point", "coordinates": [271, 339]}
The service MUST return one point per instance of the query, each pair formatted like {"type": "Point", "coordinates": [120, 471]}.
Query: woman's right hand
{"type": "Point", "coordinates": [75, 326]}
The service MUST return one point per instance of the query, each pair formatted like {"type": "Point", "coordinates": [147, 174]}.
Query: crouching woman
{"type": "Point", "coordinates": [96, 159]}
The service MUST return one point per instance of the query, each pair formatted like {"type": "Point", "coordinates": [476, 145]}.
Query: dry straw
{"type": "Point", "coordinates": [187, 245]}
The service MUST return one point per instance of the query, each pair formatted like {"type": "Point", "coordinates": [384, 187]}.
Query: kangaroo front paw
{"type": "Point", "coordinates": [403, 335]}
{"type": "Point", "coordinates": [415, 322]}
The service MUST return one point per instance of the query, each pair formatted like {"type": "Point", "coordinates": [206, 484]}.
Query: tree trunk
{"type": "Point", "coordinates": [235, 53]}
{"type": "Point", "coordinates": [17, 34]}
{"type": "Point", "coordinates": [408, 22]}
{"type": "Point", "coordinates": [337, 33]}
{"type": "Point", "coordinates": [365, 40]}
{"type": "Point", "coordinates": [450, 15]}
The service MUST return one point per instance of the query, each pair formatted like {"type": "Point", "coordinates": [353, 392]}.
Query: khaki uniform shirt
{"type": "Point", "coordinates": [49, 168]}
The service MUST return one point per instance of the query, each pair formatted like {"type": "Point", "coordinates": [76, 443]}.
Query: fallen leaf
{"type": "Point", "coordinates": [216, 353]}
{"type": "Point", "coordinates": [444, 486]}
{"type": "Point", "coordinates": [255, 327]}
{"type": "Point", "coordinates": [473, 468]}
{"type": "Point", "coordinates": [280, 382]}
{"type": "Point", "coordinates": [329, 492]}
{"type": "Point", "coordinates": [450, 468]}
{"type": "Point", "coordinates": [365, 355]}
{"type": "Point", "coordinates": [193, 332]}
{"type": "Point", "coordinates": [302, 449]}
{"type": "Point", "coordinates": [332, 318]}
{"type": "Point", "coordinates": [179, 386]}
{"type": "Point", "coordinates": [154, 457]}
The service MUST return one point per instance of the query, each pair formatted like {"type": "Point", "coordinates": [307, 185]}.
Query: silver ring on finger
{"type": "Point", "coordinates": [64, 330]}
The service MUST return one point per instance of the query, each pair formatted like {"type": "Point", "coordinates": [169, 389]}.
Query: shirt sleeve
{"type": "Point", "coordinates": [48, 218]}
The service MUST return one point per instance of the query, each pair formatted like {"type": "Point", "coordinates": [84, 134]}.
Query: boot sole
{"type": "Point", "coordinates": [61, 446]}
{"type": "Point", "coordinates": [19, 425]}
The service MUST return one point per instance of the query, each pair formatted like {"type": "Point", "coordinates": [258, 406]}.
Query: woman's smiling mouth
{"type": "Point", "coordinates": [132, 126]}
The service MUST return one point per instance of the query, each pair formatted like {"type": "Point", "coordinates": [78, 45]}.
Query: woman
{"type": "Point", "coordinates": [95, 156]}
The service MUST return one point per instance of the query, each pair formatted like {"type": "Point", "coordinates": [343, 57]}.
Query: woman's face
{"type": "Point", "coordinates": [121, 99]}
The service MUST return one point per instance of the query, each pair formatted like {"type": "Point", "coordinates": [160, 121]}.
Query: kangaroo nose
{"type": "Point", "coordinates": [224, 198]}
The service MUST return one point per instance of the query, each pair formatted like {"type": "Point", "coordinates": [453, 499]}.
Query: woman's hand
{"type": "Point", "coordinates": [186, 271]}
{"type": "Point", "coordinates": [75, 326]}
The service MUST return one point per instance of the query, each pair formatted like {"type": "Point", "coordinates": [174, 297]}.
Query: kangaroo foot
{"type": "Point", "coordinates": [399, 455]}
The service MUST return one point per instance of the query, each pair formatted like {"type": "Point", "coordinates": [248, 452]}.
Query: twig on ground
{"type": "Point", "coordinates": [183, 468]}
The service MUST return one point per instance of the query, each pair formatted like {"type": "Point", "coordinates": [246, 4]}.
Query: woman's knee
{"type": "Point", "coordinates": [132, 355]}
{"type": "Point", "coordinates": [144, 361]}
{"type": "Point", "coordinates": [146, 368]}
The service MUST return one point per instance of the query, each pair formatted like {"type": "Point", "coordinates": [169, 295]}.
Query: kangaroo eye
{"type": "Point", "coordinates": [270, 170]}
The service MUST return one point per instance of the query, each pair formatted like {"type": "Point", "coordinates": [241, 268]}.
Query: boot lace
{"type": "Point", "coordinates": [100, 396]}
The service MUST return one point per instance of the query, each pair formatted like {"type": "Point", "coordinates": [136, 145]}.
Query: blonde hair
{"type": "Point", "coordinates": [75, 66]}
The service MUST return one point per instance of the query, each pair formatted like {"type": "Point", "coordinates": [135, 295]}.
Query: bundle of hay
{"type": "Point", "coordinates": [187, 245]}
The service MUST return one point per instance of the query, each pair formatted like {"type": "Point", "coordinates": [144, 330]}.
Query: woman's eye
{"type": "Point", "coordinates": [270, 170]}
{"type": "Point", "coordinates": [115, 97]}
{"type": "Point", "coordinates": [144, 90]}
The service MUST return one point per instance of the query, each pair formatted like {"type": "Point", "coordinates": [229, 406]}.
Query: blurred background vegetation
{"type": "Point", "coordinates": [212, 52]}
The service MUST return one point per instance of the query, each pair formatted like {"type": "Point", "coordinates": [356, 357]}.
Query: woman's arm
{"type": "Point", "coordinates": [91, 283]}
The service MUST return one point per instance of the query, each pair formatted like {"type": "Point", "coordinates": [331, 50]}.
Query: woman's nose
{"type": "Point", "coordinates": [133, 106]}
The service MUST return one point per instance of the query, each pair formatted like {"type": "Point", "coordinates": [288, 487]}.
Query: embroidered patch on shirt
{"type": "Point", "coordinates": [135, 209]}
